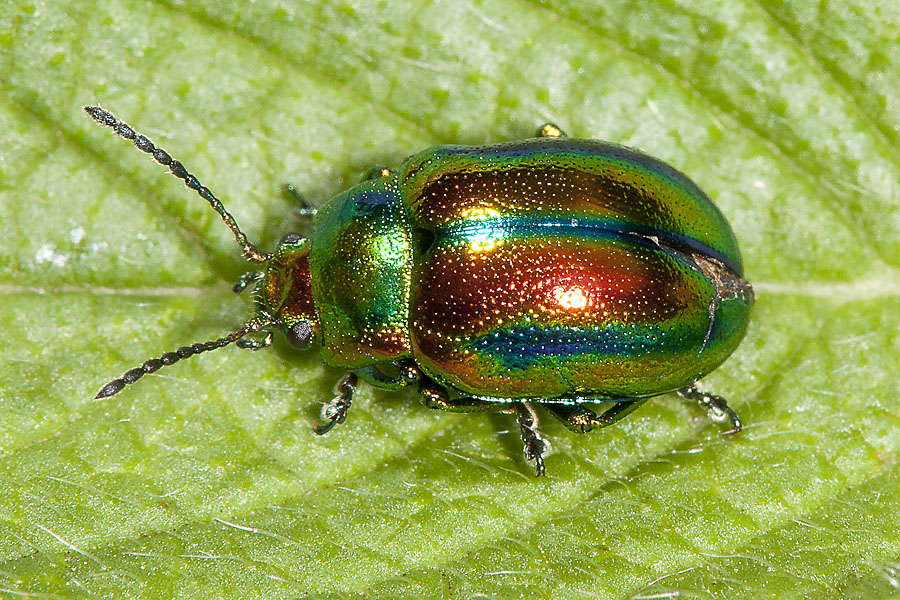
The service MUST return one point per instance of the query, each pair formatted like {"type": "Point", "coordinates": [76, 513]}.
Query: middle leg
{"type": "Point", "coordinates": [581, 420]}
{"type": "Point", "coordinates": [536, 447]}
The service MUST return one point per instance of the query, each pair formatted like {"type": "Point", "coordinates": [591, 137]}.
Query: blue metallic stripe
{"type": "Point", "coordinates": [521, 348]}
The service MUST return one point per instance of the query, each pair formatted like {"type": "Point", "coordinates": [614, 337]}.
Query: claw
{"type": "Point", "coordinates": [335, 412]}
{"type": "Point", "coordinates": [716, 407]}
{"type": "Point", "coordinates": [536, 447]}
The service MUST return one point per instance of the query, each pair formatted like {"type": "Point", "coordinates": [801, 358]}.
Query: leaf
{"type": "Point", "coordinates": [206, 480]}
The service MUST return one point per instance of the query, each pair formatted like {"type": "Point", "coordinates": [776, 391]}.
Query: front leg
{"type": "Point", "coordinates": [407, 374]}
{"type": "Point", "coordinates": [245, 344]}
{"type": "Point", "coordinates": [246, 279]}
{"type": "Point", "coordinates": [336, 411]}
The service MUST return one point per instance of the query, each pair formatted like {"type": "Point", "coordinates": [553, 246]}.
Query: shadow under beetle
{"type": "Point", "coordinates": [552, 270]}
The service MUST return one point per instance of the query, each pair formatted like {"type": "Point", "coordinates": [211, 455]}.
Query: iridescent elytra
{"type": "Point", "coordinates": [550, 271]}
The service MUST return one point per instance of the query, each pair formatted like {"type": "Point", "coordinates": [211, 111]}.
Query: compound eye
{"type": "Point", "coordinates": [300, 335]}
{"type": "Point", "coordinates": [291, 238]}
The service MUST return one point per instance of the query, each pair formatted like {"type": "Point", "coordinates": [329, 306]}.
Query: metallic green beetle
{"type": "Point", "coordinates": [553, 271]}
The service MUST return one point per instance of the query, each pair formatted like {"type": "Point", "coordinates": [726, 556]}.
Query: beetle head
{"type": "Point", "coordinates": [284, 295]}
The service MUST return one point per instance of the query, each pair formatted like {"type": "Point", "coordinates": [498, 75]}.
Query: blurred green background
{"type": "Point", "coordinates": [206, 480]}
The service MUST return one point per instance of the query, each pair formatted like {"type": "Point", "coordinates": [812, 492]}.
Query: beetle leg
{"type": "Point", "coordinates": [574, 416]}
{"type": "Point", "coordinates": [618, 411]}
{"type": "Point", "coordinates": [377, 173]}
{"type": "Point", "coordinates": [581, 420]}
{"type": "Point", "coordinates": [336, 411]}
{"type": "Point", "coordinates": [407, 374]}
{"type": "Point", "coordinates": [434, 395]}
{"type": "Point", "coordinates": [246, 279]}
{"type": "Point", "coordinates": [550, 130]}
{"type": "Point", "coordinates": [716, 407]}
{"type": "Point", "coordinates": [536, 447]}
{"type": "Point", "coordinates": [305, 209]}
{"type": "Point", "coordinates": [245, 344]}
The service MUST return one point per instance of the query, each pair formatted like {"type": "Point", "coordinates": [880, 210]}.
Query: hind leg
{"type": "Point", "coordinates": [716, 407]}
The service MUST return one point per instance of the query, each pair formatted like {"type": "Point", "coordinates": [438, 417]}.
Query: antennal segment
{"type": "Point", "coordinates": [143, 143]}
{"type": "Point", "coordinates": [170, 358]}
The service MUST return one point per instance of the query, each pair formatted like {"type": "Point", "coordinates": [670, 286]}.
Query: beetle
{"type": "Point", "coordinates": [553, 270]}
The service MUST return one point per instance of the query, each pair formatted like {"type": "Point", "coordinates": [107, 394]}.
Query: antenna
{"type": "Point", "coordinates": [143, 143]}
{"type": "Point", "coordinates": [170, 358]}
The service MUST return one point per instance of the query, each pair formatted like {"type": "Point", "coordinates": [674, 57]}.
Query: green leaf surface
{"type": "Point", "coordinates": [206, 480]}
